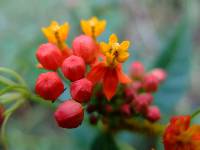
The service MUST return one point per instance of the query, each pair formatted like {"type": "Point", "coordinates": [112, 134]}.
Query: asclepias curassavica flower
{"type": "Point", "coordinates": [93, 73]}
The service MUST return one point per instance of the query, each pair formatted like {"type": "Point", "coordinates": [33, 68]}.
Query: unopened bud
{"type": "Point", "coordinates": [49, 86]}
{"type": "Point", "coordinates": [49, 56]}
{"type": "Point", "coordinates": [73, 68]}
{"type": "Point", "coordinates": [69, 114]}
{"type": "Point", "coordinates": [81, 90]}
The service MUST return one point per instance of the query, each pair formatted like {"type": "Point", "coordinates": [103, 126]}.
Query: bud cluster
{"type": "Point", "coordinates": [132, 100]}
{"type": "Point", "coordinates": [95, 77]}
{"type": "Point", "coordinates": [56, 56]}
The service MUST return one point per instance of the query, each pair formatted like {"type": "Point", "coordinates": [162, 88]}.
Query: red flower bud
{"type": "Point", "coordinates": [160, 74]}
{"type": "Point", "coordinates": [81, 90]}
{"type": "Point", "coordinates": [73, 68]}
{"type": "Point", "coordinates": [93, 119]}
{"type": "Point", "coordinates": [153, 113]}
{"type": "Point", "coordinates": [85, 47]}
{"type": "Point", "coordinates": [137, 70]}
{"type": "Point", "coordinates": [49, 86]}
{"type": "Point", "coordinates": [49, 56]}
{"type": "Point", "coordinates": [2, 110]}
{"type": "Point", "coordinates": [69, 114]}
{"type": "Point", "coordinates": [142, 101]}
{"type": "Point", "coordinates": [132, 90]}
{"type": "Point", "coordinates": [150, 83]}
{"type": "Point", "coordinates": [125, 110]}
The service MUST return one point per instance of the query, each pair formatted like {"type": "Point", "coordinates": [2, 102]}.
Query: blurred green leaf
{"type": "Point", "coordinates": [104, 141]}
{"type": "Point", "coordinates": [175, 59]}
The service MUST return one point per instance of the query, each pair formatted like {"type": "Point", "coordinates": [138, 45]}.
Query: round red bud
{"type": "Point", "coordinates": [142, 101]}
{"type": "Point", "coordinates": [93, 119]}
{"type": "Point", "coordinates": [150, 83]}
{"type": "Point", "coordinates": [160, 74]}
{"type": "Point", "coordinates": [49, 56]}
{"type": "Point", "coordinates": [153, 113]}
{"type": "Point", "coordinates": [85, 47]}
{"type": "Point", "coordinates": [125, 110]}
{"type": "Point", "coordinates": [137, 70]}
{"type": "Point", "coordinates": [132, 90]}
{"type": "Point", "coordinates": [69, 114]}
{"type": "Point", "coordinates": [73, 68]}
{"type": "Point", "coordinates": [49, 86]}
{"type": "Point", "coordinates": [81, 90]}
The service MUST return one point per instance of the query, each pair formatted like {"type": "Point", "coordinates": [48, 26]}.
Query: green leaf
{"type": "Point", "coordinates": [104, 141]}
{"type": "Point", "coordinates": [175, 59]}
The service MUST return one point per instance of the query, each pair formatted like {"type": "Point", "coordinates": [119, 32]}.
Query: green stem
{"type": "Point", "coordinates": [194, 114]}
{"type": "Point", "coordinates": [63, 77]}
{"type": "Point", "coordinates": [7, 114]}
{"type": "Point", "coordinates": [6, 81]}
{"type": "Point", "coordinates": [14, 74]}
{"type": "Point", "coordinates": [10, 88]}
{"type": "Point", "coordinates": [10, 97]}
{"type": "Point", "coordinates": [41, 101]}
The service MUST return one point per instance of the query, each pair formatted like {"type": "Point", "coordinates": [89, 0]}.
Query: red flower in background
{"type": "Point", "coordinates": [179, 135]}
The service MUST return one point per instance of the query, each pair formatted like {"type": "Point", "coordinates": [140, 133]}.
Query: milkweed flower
{"type": "Point", "coordinates": [179, 135]}
{"type": "Point", "coordinates": [110, 70]}
{"type": "Point", "coordinates": [93, 27]}
{"type": "Point", "coordinates": [57, 34]}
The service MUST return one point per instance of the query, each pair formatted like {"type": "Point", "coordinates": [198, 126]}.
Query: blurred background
{"type": "Point", "coordinates": [163, 33]}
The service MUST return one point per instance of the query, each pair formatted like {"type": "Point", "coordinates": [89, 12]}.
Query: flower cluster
{"type": "Point", "coordinates": [179, 135]}
{"type": "Point", "coordinates": [94, 70]}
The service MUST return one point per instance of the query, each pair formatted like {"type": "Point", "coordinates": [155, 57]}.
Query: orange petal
{"type": "Point", "coordinates": [110, 82]}
{"type": "Point", "coordinates": [97, 73]}
{"type": "Point", "coordinates": [123, 78]}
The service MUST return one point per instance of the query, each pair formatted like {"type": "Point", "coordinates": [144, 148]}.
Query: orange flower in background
{"type": "Point", "coordinates": [179, 135]}
{"type": "Point", "coordinates": [93, 27]}
{"type": "Point", "coordinates": [57, 34]}
{"type": "Point", "coordinates": [110, 70]}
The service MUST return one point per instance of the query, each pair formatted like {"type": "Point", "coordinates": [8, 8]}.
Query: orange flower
{"type": "Point", "coordinates": [110, 70]}
{"type": "Point", "coordinates": [180, 136]}
{"type": "Point", "coordinates": [93, 27]}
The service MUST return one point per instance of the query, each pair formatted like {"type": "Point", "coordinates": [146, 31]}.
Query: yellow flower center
{"type": "Point", "coordinates": [114, 52]}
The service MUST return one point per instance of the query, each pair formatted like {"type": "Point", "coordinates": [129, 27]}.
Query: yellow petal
{"type": "Point", "coordinates": [49, 35]}
{"type": "Point", "coordinates": [94, 20]}
{"type": "Point", "coordinates": [63, 31]}
{"type": "Point", "coordinates": [124, 45]}
{"type": "Point", "coordinates": [86, 27]}
{"type": "Point", "coordinates": [113, 39]}
{"type": "Point", "coordinates": [104, 47]}
{"type": "Point", "coordinates": [123, 57]}
{"type": "Point", "coordinates": [100, 27]}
